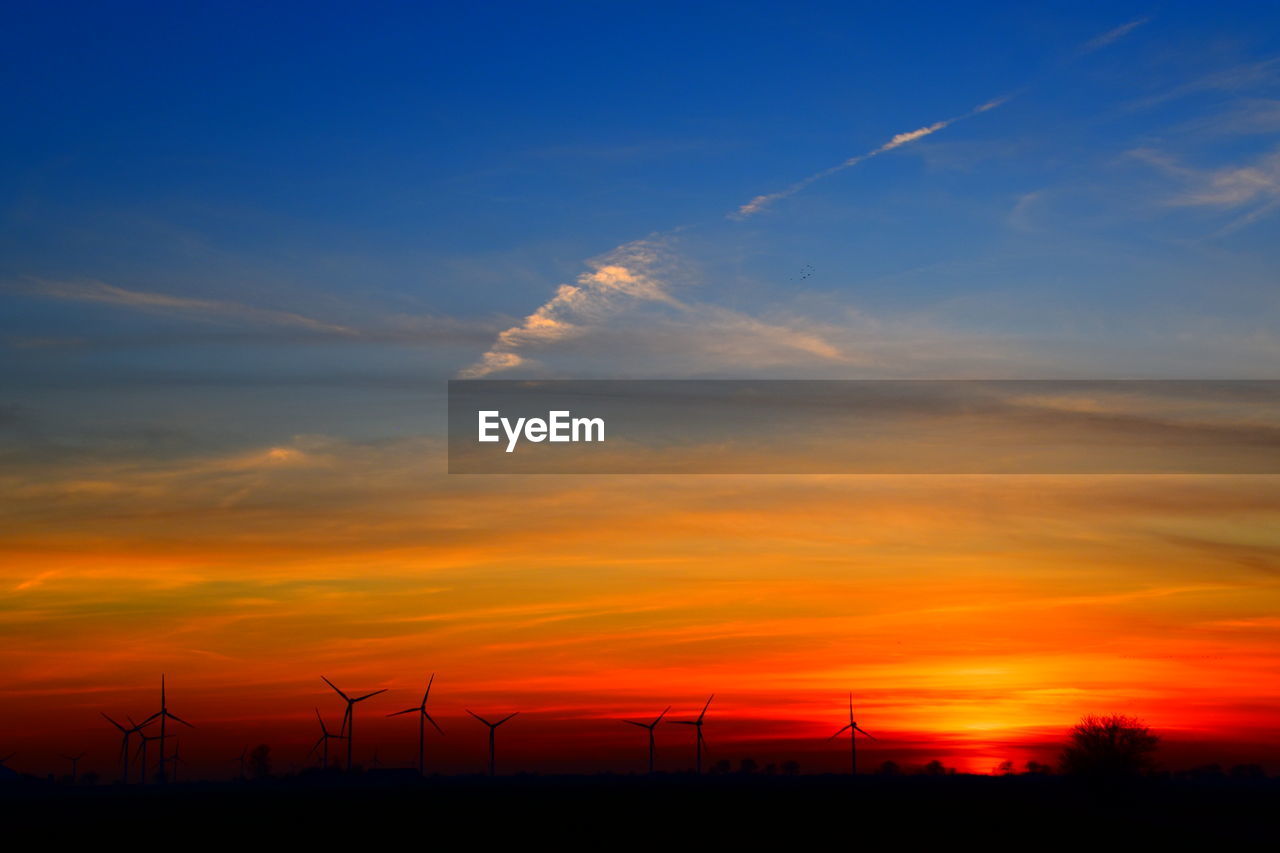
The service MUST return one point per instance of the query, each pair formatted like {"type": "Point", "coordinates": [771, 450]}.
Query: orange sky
{"type": "Point", "coordinates": [974, 618]}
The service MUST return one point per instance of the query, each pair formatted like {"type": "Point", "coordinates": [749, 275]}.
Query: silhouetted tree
{"type": "Point", "coordinates": [1111, 745]}
{"type": "Point", "coordinates": [771, 770]}
{"type": "Point", "coordinates": [935, 768]}
{"type": "Point", "coordinates": [790, 768]}
{"type": "Point", "coordinates": [1035, 768]}
{"type": "Point", "coordinates": [724, 765]}
{"type": "Point", "coordinates": [890, 768]}
{"type": "Point", "coordinates": [1248, 771]}
{"type": "Point", "coordinates": [1206, 771]}
{"type": "Point", "coordinates": [1005, 768]}
{"type": "Point", "coordinates": [260, 761]}
{"type": "Point", "coordinates": [748, 766]}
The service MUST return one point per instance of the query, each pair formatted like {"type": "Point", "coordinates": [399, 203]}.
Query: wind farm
{"type": "Point", "coordinates": [768, 422]}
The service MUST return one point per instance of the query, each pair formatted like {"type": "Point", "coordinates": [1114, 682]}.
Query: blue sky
{"type": "Point", "coordinates": [213, 212]}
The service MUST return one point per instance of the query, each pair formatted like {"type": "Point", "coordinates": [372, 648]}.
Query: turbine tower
{"type": "Point", "coordinates": [650, 727]}
{"type": "Point", "coordinates": [75, 765]}
{"type": "Point", "coordinates": [699, 741]}
{"type": "Point", "coordinates": [163, 715]}
{"type": "Point", "coordinates": [349, 718]}
{"type": "Point", "coordinates": [240, 760]}
{"type": "Point", "coordinates": [853, 729]}
{"type": "Point", "coordinates": [423, 719]}
{"type": "Point", "coordinates": [493, 728]}
{"type": "Point", "coordinates": [176, 759]}
{"type": "Point", "coordinates": [322, 745]}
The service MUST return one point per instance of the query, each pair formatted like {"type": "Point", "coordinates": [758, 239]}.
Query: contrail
{"type": "Point", "coordinates": [761, 202]}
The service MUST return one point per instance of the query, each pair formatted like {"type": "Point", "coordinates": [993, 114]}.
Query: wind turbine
{"type": "Point", "coordinates": [162, 715]}
{"type": "Point", "coordinates": [853, 729]}
{"type": "Point", "coordinates": [699, 740]}
{"type": "Point", "coordinates": [75, 765]}
{"type": "Point", "coordinates": [176, 758]}
{"type": "Point", "coordinates": [142, 752]}
{"type": "Point", "coordinates": [650, 727]}
{"type": "Point", "coordinates": [423, 719]}
{"type": "Point", "coordinates": [124, 745]}
{"type": "Point", "coordinates": [323, 743]}
{"type": "Point", "coordinates": [493, 728]}
{"type": "Point", "coordinates": [240, 760]}
{"type": "Point", "coordinates": [349, 719]}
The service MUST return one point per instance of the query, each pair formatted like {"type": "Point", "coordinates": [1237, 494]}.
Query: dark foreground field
{"type": "Point", "coordinates": [621, 811]}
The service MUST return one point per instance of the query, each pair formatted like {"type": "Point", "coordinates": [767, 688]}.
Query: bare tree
{"type": "Point", "coordinates": [1110, 745]}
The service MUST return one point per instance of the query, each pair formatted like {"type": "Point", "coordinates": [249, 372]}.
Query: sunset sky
{"type": "Point", "coordinates": [244, 248]}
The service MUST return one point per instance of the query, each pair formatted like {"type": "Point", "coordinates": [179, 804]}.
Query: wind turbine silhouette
{"type": "Point", "coordinates": [699, 741]}
{"type": "Point", "coordinates": [176, 758]}
{"type": "Point", "coordinates": [323, 743]}
{"type": "Point", "coordinates": [650, 727]}
{"type": "Point", "coordinates": [349, 718]}
{"type": "Point", "coordinates": [853, 729]}
{"type": "Point", "coordinates": [75, 765]}
{"type": "Point", "coordinates": [240, 760]}
{"type": "Point", "coordinates": [163, 715]}
{"type": "Point", "coordinates": [423, 718]}
{"type": "Point", "coordinates": [124, 746]}
{"type": "Point", "coordinates": [493, 727]}
{"type": "Point", "coordinates": [142, 752]}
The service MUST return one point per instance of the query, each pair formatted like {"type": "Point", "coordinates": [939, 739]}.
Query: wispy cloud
{"type": "Point", "coordinates": [1253, 187]}
{"type": "Point", "coordinates": [1111, 36]}
{"type": "Point", "coordinates": [626, 274]}
{"type": "Point", "coordinates": [208, 309]}
{"type": "Point", "coordinates": [581, 321]}
{"type": "Point", "coordinates": [761, 202]}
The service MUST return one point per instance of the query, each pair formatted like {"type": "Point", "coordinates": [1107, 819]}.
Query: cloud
{"type": "Point", "coordinates": [1253, 185]}
{"type": "Point", "coordinates": [209, 309]}
{"type": "Point", "coordinates": [761, 202]}
{"type": "Point", "coordinates": [1112, 36]}
{"type": "Point", "coordinates": [581, 321]}
{"type": "Point", "coordinates": [627, 274]}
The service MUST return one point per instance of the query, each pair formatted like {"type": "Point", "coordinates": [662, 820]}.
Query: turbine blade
{"type": "Point", "coordinates": [427, 694]}
{"type": "Point", "coordinates": [478, 717]}
{"type": "Point", "coordinates": [663, 714]}
{"type": "Point", "coordinates": [504, 719]}
{"type": "Point", "coordinates": [335, 688]}
{"type": "Point", "coordinates": [705, 707]}
{"type": "Point", "coordinates": [432, 722]}
{"type": "Point", "coordinates": [634, 723]}
{"type": "Point", "coordinates": [842, 731]}
{"type": "Point", "coordinates": [176, 718]}
{"type": "Point", "coordinates": [684, 722]}
{"type": "Point", "coordinates": [873, 737]}
{"type": "Point", "coordinates": [405, 711]}
{"type": "Point", "coordinates": [113, 722]}
{"type": "Point", "coordinates": [850, 708]}
{"type": "Point", "coordinates": [320, 720]}
{"type": "Point", "coordinates": [367, 695]}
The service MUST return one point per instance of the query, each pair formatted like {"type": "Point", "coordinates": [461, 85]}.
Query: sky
{"type": "Point", "coordinates": [243, 249]}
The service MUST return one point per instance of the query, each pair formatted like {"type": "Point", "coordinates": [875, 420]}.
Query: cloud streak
{"type": "Point", "coordinates": [762, 202]}
{"type": "Point", "coordinates": [108, 294]}
{"type": "Point", "coordinates": [1113, 35]}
